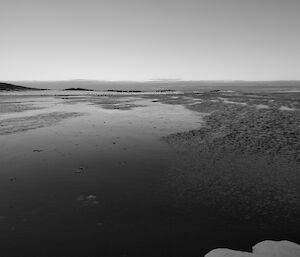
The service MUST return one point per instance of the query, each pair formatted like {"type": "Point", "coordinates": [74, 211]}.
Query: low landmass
{"type": "Point", "coordinates": [11, 87]}
{"type": "Point", "coordinates": [123, 91]}
{"type": "Point", "coordinates": [78, 89]}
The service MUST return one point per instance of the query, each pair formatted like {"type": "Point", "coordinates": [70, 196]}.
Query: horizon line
{"type": "Point", "coordinates": [153, 80]}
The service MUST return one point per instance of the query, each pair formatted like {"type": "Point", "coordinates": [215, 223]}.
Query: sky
{"type": "Point", "coordinates": [149, 39]}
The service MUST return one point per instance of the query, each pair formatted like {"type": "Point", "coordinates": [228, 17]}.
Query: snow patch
{"type": "Point", "coordinates": [266, 248]}
{"type": "Point", "coordinates": [262, 106]}
{"type": "Point", "coordinates": [231, 102]}
{"type": "Point", "coordinates": [277, 249]}
{"type": "Point", "coordinates": [285, 108]}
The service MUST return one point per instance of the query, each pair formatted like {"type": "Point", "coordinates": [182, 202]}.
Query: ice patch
{"type": "Point", "coordinates": [263, 249]}
{"type": "Point", "coordinates": [194, 103]}
{"type": "Point", "coordinates": [222, 252]}
{"type": "Point", "coordinates": [230, 102]}
{"type": "Point", "coordinates": [277, 249]}
{"type": "Point", "coordinates": [89, 200]}
{"type": "Point", "coordinates": [285, 108]}
{"type": "Point", "coordinates": [262, 106]}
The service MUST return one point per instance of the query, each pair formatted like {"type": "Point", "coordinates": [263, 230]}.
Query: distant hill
{"type": "Point", "coordinates": [11, 87]}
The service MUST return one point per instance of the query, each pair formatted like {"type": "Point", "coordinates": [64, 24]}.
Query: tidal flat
{"type": "Point", "coordinates": [147, 174]}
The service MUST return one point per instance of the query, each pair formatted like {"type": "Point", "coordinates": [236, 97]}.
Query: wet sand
{"type": "Point", "coordinates": [80, 176]}
{"type": "Point", "coordinates": [110, 175]}
{"type": "Point", "coordinates": [243, 164]}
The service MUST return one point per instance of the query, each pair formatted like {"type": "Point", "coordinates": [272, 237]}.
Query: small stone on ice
{"type": "Point", "coordinates": [80, 198]}
{"type": "Point", "coordinates": [81, 169]}
{"type": "Point", "coordinates": [91, 197]}
{"type": "Point", "coordinates": [93, 203]}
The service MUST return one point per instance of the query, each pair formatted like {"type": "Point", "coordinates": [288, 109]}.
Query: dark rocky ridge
{"type": "Point", "coordinates": [11, 87]}
{"type": "Point", "coordinates": [123, 91]}
{"type": "Point", "coordinates": [77, 89]}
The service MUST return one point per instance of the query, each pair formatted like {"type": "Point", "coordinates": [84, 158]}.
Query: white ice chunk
{"type": "Point", "coordinates": [277, 249]}
{"type": "Point", "coordinates": [266, 248]}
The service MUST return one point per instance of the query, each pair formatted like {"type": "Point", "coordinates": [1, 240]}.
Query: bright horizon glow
{"type": "Point", "coordinates": [138, 40]}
